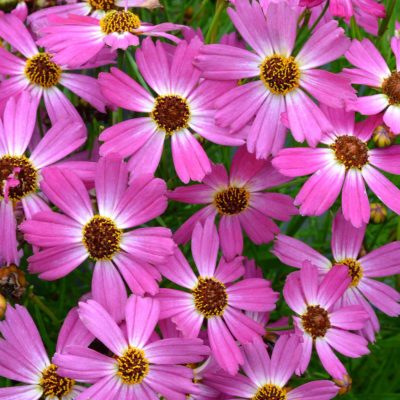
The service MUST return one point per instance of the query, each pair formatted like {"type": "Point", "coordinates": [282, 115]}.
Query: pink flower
{"type": "Point", "coordinates": [265, 377]}
{"type": "Point", "coordinates": [320, 321]}
{"type": "Point", "coordinates": [39, 74]}
{"type": "Point", "coordinates": [23, 358]}
{"type": "Point", "coordinates": [348, 8]}
{"type": "Point", "coordinates": [212, 296]}
{"type": "Point", "coordinates": [372, 70]}
{"type": "Point", "coordinates": [343, 165]}
{"type": "Point", "coordinates": [76, 39]}
{"type": "Point", "coordinates": [138, 369]}
{"type": "Point", "coordinates": [281, 80]}
{"type": "Point", "coordinates": [240, 201]}
{"type": "Point", "coordinates": [19, 173]}
{"type": "Point", "coordinates": [95, 8]}
{"type": "Point", "coordinates": [346, 245]}
{"type": "Point", "coordinates": [105, 235]}
{"type": "Point", "coordinates": [183, 106]}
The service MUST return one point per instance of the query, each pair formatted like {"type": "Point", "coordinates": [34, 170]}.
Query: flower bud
{"type": "Point", "coordinates": [12, 282]}
{"type": "Point", "coordinates": [378, 213]}
{"type": "Point", "coordinates": [344, 384]}
{"type": "Point", "coordinates": [382, 136]}
{"type": "Point", "coordinates": [3, 306]}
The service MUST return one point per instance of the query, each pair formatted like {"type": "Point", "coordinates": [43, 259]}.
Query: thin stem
{"type": "Point", "coordinates": [212, 32]}
{"type": "Point", "coordinates": [37, 300]}
{"type": "Point", "coordinates": [386, 21]}
{"type": "Point", "coordinates": [279, 329]}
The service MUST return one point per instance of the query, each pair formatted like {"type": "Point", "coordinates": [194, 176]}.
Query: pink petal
{"type": "Point", "coordinates": [346, 343]}
{"type": "Point", "coordinates": [329, 361]}
{"type": "Point", "coordinates": [231, 237]}
{"type": "Point", "coordinates": [383, 261]}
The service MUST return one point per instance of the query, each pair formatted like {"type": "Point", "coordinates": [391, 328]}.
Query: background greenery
{"type": "Point", "coordinates": [375, 376]}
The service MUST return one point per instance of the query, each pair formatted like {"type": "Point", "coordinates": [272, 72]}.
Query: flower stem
{"type": "Point", "coordinates": [37, 300]}
{"type": "Point", "coordinates": [386, 21]}
{"type": "Point", "coordinates": [213, 30]}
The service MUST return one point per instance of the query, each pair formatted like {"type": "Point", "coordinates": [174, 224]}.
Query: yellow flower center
{"type": "Point", "coordinates": [171, 113]}
{"type": "Point", "coordinates": [133, 366]}
{"type": "Point", "coordinates": [280, 74]}
{"type": "Point", "coordinates": [54, 385]}
{"type": "Point", "coordinates": [270, 392]}
{"type": "Point", "coordinates": [354, 268]}
{"type": "Point", "coordinates": [119, 22]}
{"type": "Point", "coordinates": [41, 71]}
{"type": "Point", "coordinates": [104, 5]}
{"type": "Point", "coordinates": [210, 297]}
{"type": "Point", "coordinates": [232, 201]}
{"type": "Point", "coordinates": [22, 169]}
{"type": "Point", "coordinates": [102, 238]}
{"type": "Point", "coordinates": [350, 151]}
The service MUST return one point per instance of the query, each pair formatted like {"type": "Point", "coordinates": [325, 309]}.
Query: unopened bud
{"type": "Point", "coordinates": [3, 306]}
{"type": "Point", "coordinates": [383, 136]}
{"type": "Point", "coordinates": [378, 213]}
{"type": "Point", "coordinates": [344, 384]}
{"type": "Point", "coordinates": [12, 282]}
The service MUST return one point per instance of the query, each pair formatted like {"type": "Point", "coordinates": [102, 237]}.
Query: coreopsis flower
{"type": "Point", "coordinates": [362, 288]}
{"type": "Point", "coordinates": [278, 80]}
{"type": "Point", "coordinates": [95, 8]}
{"type": "Point", "coordinates": [104, 234]}
{"type": "Point", "coordinates": [138, 368]}
{"type": "Point", "coordinates": [373, 71]}
{"type": "Point", "coordinates": [342, 165]}
{"type": "Point", "coordinates": [239, 201]}
{"type": "Point", "coordinates": [266, 377]}
{"type": "Point", "coordinates": [212, 296]}
{"type": "Point", "coordinates": [24, 359]}
{"type": "Point", "coordinates": [320, 321]}
{"type": "Point", "coordinates": [37, 72]}
{"type": "Point", "coordinates": [20, 173]}
{"type": "Point", "coordinates": [117, 29]}
{"type": "Point", "coordinates": [182, 107]}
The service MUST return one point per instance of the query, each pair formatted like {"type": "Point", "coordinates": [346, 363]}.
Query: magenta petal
{"type": "Point", "coordinates": [347, 343]}
{"type": "Point", "coordinates": [8, 233]}
{"type": "Point", "coordinates": [386, 159]}
{"type": "Point", "coordinates": [383, 261]}
{"type": "Point", "coordinates": [346, 240]}
{"type": "Point", "coordinates": [223, 346]}
{"type": "Point", "coordinates": [293, 252]}
{"type": "Point", "coordinates": [231, 237]}
{"type": "Point", "coordinates": [108, 289]}
{"type": "Point", "coordinates": [329, 360]}
{"type": "Point", "coordinates": [382, 187]}
{"type": "Point", "coordinates": [321, 190]}
{"type": "Point", "coordinates": [350, 318]}
{"type": "Point", "coordinates": [316, 390]}
{"type": "Point", "coordinates": [25, 392]}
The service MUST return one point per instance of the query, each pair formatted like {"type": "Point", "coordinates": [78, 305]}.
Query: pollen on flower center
{"type": "Point", "coordinates": [391, 88]}
{"type": "Point", "coordinates": [54, 385]}
{"type": "Point", "coordinates": [210, 297]}
{"type": "Point", "coordinates": [21, 169]}
{"type": "Point", "coordinates": [232, 201]}
{"type": "Point", "coordinates": [119, 22]}
{"type": "Point", "coordinates": [316, 321]}
{"type": "Point", "coordinates": [355, 270]}
{"type": "Point", "coordinates": [171, 113]}
{"type": "Point", "coordinates": [350, 151]}
{"type": "Point", "coordinates": [41, 71]}
{"type": "Point", "coordinates": [102, 238]}
{"type": "Point", "coordinates": [133, 366]}
{"type": "Point", "coordinates": [270, 392]}
{"type": "Point", "coordinates": [280, 74]}
{"type": "Point", "coordinates": [104, 5]}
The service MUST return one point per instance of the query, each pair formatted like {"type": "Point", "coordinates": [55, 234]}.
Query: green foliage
{"type": "Point", "coordinates": [376, 376]}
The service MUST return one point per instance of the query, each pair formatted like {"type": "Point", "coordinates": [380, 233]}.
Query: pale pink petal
{"type": "Point", "coordinates": [383, 261]}
{"type": "Point", "coordinates": [391, 117]}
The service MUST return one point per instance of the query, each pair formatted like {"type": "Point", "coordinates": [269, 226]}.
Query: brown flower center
{"type": "Point", "coordinates": [21, 169]}
{"type": "Point", "coordinates": [270, 392]}
{"type": "Point", "coordinates": [104, 5]}
{"type": "Point", "coordinates": [54, 385]}
{"type": "Point", "coordinates": [232, 201]}
{"type": "Point", "coordinates": [354, 268]}
{"type": "Point", "coordinates": [350, 151]}
{"type": "Point", "coordinates": [210, 297]}
{"type": "Point", "coordinates": [119, 22]}
{"type": "Point", "coordinates": [133, 366]}
{"type": "Point", "coordinates": [102, 238]}
{"type": "Point", "coordinates": [316, 321]}
{"type": "Point", "coordinates": [391, 88]}
{"type": "Point", "coordinates": [41, 71]}
{"type": "Point", "coordinates": [171, 113]}
{"type": "Point", "coordinates": [280, 74]}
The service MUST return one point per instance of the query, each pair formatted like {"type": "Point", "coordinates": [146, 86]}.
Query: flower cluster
{"type": "Point", "coordinates": [108, 119]}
